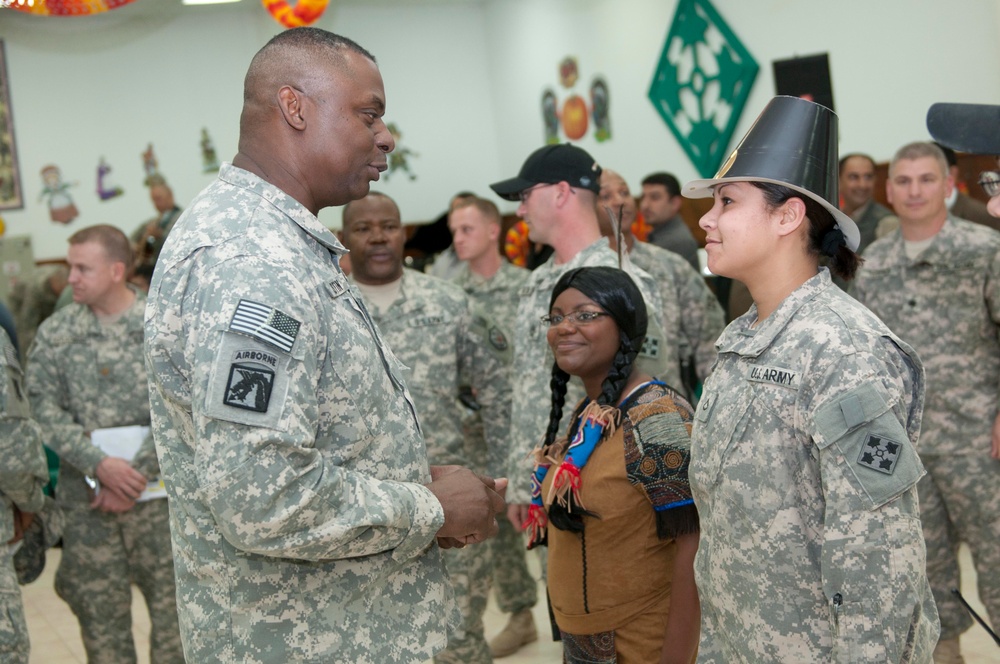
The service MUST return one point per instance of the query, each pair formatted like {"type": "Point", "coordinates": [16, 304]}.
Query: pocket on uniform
{"type": "Point", "coordinates": [859, 635]}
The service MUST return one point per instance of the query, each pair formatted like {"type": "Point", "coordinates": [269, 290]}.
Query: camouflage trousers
{"type": "Point", "coordinates": [13, 628]}
{"type": "Point", "coordinates": [515, 587]}
{"type": "Point", "coordinates": [469, 571]}
{"type": "Point", "coordinates": [960, 502]}
{"type": "Point", "coordinates": [103, 554]}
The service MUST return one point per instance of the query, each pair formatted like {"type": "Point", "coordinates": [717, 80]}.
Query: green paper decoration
{"type": "Point", "coordinates": [702, 82]}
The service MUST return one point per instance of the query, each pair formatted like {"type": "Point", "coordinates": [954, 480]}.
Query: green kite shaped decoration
{"type": "Point", "coordinates": [702, 82]}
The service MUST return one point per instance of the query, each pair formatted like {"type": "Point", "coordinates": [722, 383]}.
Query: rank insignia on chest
{"type": "Point", "coordinates": [249, 387]}
{"type": "Point", "coordinates": [879, 454]}
{"type": "Point", "coordinates": [265, 324]}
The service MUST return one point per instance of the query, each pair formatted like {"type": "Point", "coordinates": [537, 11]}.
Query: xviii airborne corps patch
{"type": "Point", "coordinates": [249, 387]}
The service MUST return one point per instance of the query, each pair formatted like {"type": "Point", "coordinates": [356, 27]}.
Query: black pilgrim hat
{"type": "Point", "coordinates": [793, 142]}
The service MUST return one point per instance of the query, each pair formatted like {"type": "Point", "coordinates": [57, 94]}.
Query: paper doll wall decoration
{"type": "Point", "coordinates": [574, 115]}
{"type": "Point", "coordinates": [149, 164]}
{"type": "Point", "coordinates": [61, 207]}
{"type": "Point", "coordinates": [209, 160]}
{"type": "Point", "coordinates": [106, 189]}
{"type": "Point", "coordinates": [399, 159]}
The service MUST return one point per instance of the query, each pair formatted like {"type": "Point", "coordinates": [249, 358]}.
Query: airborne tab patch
{"type": "Point", "coordinates": [879, 454]}
{"type": "Point", "coordinates": [249, 387]}
{"type": "Point", "coordinates": [265, 324]}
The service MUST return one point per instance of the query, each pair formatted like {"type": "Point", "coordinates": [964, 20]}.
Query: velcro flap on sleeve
{"type": "Point", "coordinates": [873, 448]}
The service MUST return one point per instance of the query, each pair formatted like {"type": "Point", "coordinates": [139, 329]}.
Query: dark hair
{"type": "Point", "coordinates": [347, 210]}
{"type": "Point", "coordinates": [851, 155]}
{"type": "Point", "coordinates": [665, 179]}
{"type": "Point", "coordinates": [842, 261]}
{"type": "Point", "coordinates": [307, 37]}
{"type": "Point", "coordinates": [615, 292]}
{"type": "Point", "coordinates": [116, 245]}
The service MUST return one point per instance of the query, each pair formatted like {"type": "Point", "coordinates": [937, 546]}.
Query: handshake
{"type": "Point", "coordinates": [471, 503]}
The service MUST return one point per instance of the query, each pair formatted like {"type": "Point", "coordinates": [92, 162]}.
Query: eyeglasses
{"type": "Point", "coordinates": [525, 193]}
{"type": "Point", "coordinates": [577, 317]}
{"type": "Point", "coordinates": [990, 182]}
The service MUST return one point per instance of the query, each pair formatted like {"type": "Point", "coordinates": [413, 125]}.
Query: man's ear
{"type": "Point", "coordinates": [118, 271]}
{"type": "Point", "coordinates": [290, 103]}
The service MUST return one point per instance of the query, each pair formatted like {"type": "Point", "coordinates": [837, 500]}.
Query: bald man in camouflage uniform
{"type": "Point", "coordinates": [85, 372]}
{"type": "Point", "coordinates": [305, 517]}
{"type": "Point", "coordinates": [493, 283]}
{"type": "Point", "coordinates": [23, 473]}
{"type": "Point", "coordinates": [432, 328]}
{"type": "Point", "coordinates": [945, 301]}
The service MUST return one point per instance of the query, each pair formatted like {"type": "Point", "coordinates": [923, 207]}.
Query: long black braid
{"type": "Point", "coordinates": [615, 292]}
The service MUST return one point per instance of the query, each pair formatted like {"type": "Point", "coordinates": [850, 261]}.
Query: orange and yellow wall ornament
{"type": "Point", "coordinates": [64, 7]}
{"type": "Point", "coordinates": [298, 14]}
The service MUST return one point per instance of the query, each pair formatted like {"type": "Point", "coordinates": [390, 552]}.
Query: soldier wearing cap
{"type": "Point", "coordinates": [557, 187]}
{"type": "Point", "coordinates": [804, 467]}
{"type": "Point", "coordinates": [936, 283]}
{"type": "Point", "coordinates": [432, 327]}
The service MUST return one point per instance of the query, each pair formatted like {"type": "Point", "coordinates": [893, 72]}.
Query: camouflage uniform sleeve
{"type": "Point", "coordinates": [50, 404]}
{"type": "Point", "coordinates": [487, 356]}
{"type": "Point", "coordinates": [702, 319]}
{"type": "Point", "coordinates": [273, 488]}
{"type": "Point", "coordinates": [24, 471]}
{"type": "Point", "coordinates": [873, 559]}
{"type": "Point", "coordinates": [145, 458]}
{"type": "Point", "coordinates": [991, 292]}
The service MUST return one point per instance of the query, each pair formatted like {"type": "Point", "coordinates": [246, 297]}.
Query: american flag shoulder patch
{"type": "Point", "coordinates": [265, 324]}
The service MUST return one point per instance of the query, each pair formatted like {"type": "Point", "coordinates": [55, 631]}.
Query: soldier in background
{"type": "Point", "coordinates": [23, 474]}
{"type": "Point", "coordinates": [34, 299]}
{"type": "Point", "coordinates": [493, 285]}
{"type": "Point", "coordinates": [432, 327]}
{"type": "Point", "coordinates": [936, 283]}
{"type": "Point", "coordinates": [148, 238]}
{"type": "Point", "coordinates": [86, 372]}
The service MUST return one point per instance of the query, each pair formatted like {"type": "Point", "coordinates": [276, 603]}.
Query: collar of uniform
{"type": "Point", "coordinates": [941, 250]}
{"type": "Point", "coordinates": [597, 246]}
{"type": "Point", "coordinates": [290, 207]}
{"type": "Point", "coordinates": [739, 338]}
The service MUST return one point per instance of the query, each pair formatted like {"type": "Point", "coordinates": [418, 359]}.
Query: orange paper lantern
{"type": "Point", "coordinates": [305, 12]}
{"type": "Point", "coordinates": [65, 7]}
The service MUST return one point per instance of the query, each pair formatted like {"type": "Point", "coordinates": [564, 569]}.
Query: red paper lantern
{"type": "Point", "coordinates": [305, 12]}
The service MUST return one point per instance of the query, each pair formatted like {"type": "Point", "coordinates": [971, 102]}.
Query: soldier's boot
{"type": "Point", "coordinates": [948, 652]}
{"type": "Point", "coordinates": [520, 631]}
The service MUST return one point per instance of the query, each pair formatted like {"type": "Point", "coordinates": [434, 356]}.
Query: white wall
{"type": "Point", "coordinates": [463, 81]}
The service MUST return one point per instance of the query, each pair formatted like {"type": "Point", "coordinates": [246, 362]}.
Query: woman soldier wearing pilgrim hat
{"type": "Point", "coordinates": [803, 464]}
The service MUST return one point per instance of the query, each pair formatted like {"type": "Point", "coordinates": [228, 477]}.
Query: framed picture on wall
{"type": "Point", "coordinates": [11, 197]}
